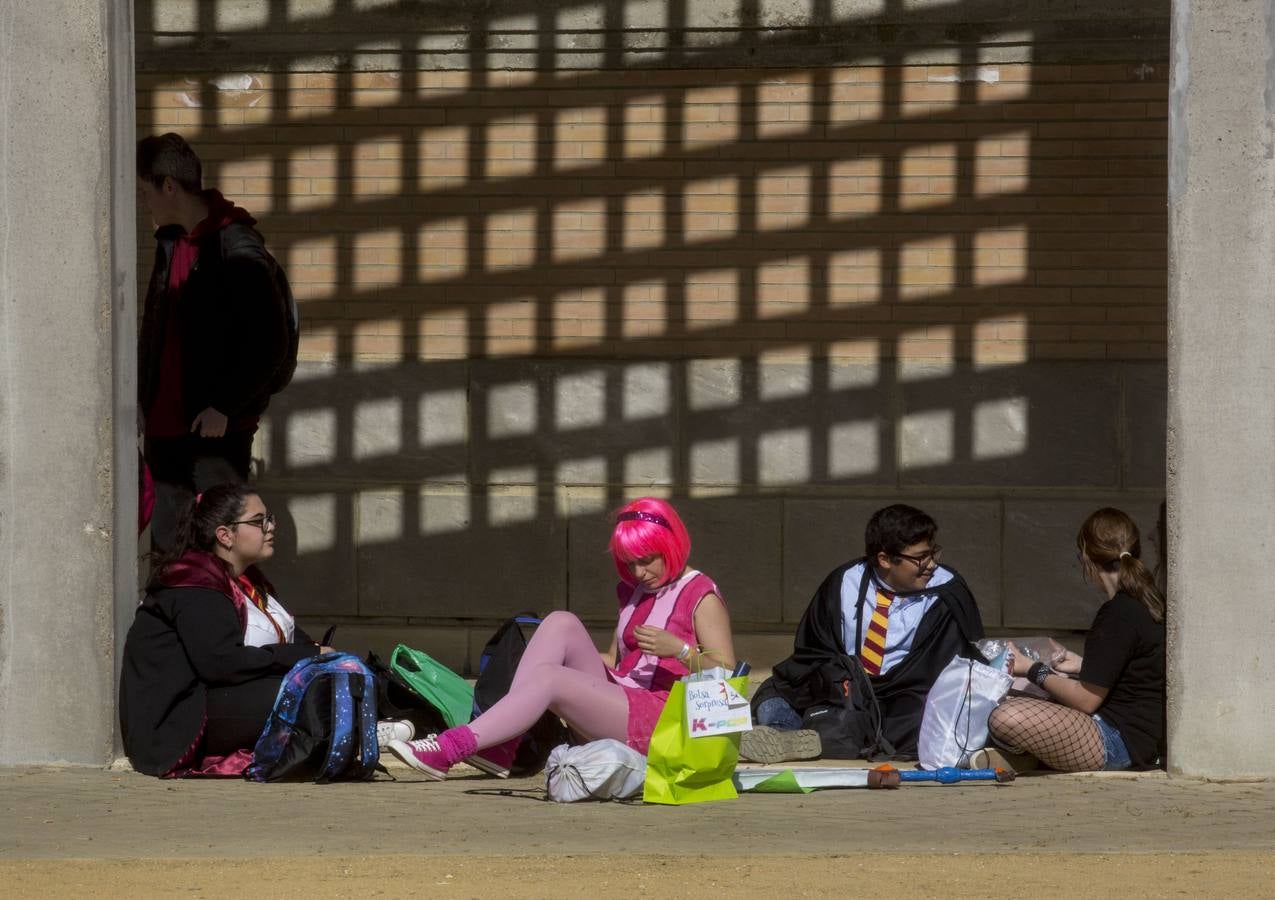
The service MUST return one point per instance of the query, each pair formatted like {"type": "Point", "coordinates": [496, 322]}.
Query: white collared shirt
{"type": "Point", "coordinates": [906, 613]}
{"type": "Point", "coordinates": [259, 632]}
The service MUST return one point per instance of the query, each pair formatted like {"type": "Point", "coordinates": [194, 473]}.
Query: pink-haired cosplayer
{"type": "Point", "coordinates": [670, 615]}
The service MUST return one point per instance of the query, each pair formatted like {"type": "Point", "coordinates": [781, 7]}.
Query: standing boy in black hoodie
{"type": "Point", "coordinates": [218, 333]}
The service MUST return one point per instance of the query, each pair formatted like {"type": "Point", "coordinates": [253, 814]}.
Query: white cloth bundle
{"type": "Point", "coordinates": [600, 770]}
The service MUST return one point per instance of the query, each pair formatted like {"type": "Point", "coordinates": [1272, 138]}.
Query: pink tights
{"type": "Point", "coordinates": [560, 671]}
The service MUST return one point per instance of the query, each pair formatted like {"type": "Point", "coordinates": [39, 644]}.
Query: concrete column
{"type": "Point", "coordinates": [1222, 389]}
{"type": "Point", "coordinates": [67, 319]}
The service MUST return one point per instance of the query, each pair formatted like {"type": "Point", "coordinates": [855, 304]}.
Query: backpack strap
{"type": "Point", "coordinates": [864, 697]}
{"type": "Point", "coordinates": [277, 731]}
{"type": "Point", "coordinates": [858, 612]}
{"type": "Point", "coordinates": [363, 689]}
{"type": "Point", "coordinates": [341, 736]}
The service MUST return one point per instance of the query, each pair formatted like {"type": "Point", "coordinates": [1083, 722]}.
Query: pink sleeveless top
{"type": "Point", "coordinates": [646, 678]}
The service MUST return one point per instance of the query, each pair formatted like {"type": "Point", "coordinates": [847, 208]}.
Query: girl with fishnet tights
{"type": "Point", "coordinates": [1111, 716]}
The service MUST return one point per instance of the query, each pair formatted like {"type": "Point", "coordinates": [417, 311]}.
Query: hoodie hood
{"type": "Point", "coordinates": [221, 212]}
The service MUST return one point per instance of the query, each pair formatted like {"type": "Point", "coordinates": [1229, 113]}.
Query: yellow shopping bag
{"type": "Point", "coordinates": [681, 769]}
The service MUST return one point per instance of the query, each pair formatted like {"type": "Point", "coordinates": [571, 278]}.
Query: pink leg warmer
{"type": "Point", "coordinates": [457, 743]}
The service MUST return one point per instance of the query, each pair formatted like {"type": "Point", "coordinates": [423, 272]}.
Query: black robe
{"type": "Point", "coordinates": [947, 629]}
{"type": "Point", "coordinates": [186, 637]}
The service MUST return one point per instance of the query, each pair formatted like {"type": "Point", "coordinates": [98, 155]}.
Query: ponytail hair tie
{"type": "Point", "coordinates": [198, 498]}
{"type": "Point", "coordinates": [1124, 554]}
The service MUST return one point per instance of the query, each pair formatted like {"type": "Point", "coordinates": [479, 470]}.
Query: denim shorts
{"type": "Point", "coordinates": [1115, 755]}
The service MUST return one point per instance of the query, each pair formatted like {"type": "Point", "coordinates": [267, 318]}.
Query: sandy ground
{"type": "Point", "coordinates": [1034, 875]}
{"type": "Point", "coordinates": [85, 832]}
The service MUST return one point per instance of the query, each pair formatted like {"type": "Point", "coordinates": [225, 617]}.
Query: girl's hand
{"type": "Point", "coordinates": [1069, 663]}
{"type": "Point", "coordinates": [1022, 662]}
{"type": "Point", "coordinates": [657, 641]}
{"type": "Point", "coordinates": [1057, 653]}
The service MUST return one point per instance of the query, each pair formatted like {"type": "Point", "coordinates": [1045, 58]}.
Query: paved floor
{"type": "Point", "coordinates": [49, 813]}
{"type": "Point", "coordinates": [111, 832]}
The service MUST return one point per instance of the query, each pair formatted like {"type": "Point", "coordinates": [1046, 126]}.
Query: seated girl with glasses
{"type": "Point", "coordinates": [1111, 714]}
{"type": "Point", "coordinates": [210, 643]}
{"type": "Point", "coordinates": [670, 617]}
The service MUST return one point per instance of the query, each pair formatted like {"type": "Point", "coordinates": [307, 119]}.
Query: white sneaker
{"type": "Point", "coordinates": [394, 730]}
{"type": "Point", "coordinates": [994, 758]}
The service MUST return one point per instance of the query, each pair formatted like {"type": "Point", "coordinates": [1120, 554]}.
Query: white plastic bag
{"type": "Point", "coordinates": [600, 770]}
{"type": "Point", "coordinates": [956, 711]}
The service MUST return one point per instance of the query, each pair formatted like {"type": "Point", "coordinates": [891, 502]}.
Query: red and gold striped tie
{"type": "Point", "coordinates": [873, 653]}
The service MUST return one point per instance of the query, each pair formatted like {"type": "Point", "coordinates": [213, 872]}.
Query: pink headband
{"type": "Point", "coordinates": [644, 516]}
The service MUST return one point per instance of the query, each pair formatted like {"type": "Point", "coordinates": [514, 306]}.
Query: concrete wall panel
{"type": "Point", "coordinates": [1145, 409]}
{"type": "Point", "coordinates": [737, 543]}
{"type": "Point", "coordinates": [314, 562]}
{"type": "Point", "coordinates": [57, 311]}
{"type": "Point", "coordinates": [1221, 389]}
{"type": "Point", "coordinates": [970, 533]}
{"type": "Point", "coordinates": [819, 535]}
{"type": "Point", "coordinates": [487, 554]}
{"type": "Point", "coordinates": [591, 573]}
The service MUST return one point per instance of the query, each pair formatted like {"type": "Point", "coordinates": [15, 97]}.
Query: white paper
{"type": "Point", "coordinates": [714, 707]}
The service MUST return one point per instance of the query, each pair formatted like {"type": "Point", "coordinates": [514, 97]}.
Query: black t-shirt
{"type": "Point", "coordinates": [1124, 653]}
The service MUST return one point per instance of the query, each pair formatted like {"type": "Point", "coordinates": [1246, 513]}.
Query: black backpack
{"type": "Point", "coordinates": [846, 714]}
{"type": "Point", "coordinates": [292, 315]}
{"type": "Point", "coordinates": [496, 669]}
{"type": "Point", "coordinates": [396, 699]}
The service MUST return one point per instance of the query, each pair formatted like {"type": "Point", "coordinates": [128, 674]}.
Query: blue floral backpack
{"type": "Point", "coordinates": [323, 725]}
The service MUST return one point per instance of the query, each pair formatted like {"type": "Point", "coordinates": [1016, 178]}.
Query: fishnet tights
{"type": "Point", "coordinates": [1062, 738]}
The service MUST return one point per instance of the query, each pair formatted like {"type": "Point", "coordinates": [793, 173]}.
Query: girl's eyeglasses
{"type": "Point", "coordinates": [265, 523]}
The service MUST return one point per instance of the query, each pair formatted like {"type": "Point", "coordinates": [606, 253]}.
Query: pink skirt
{"type": "Point", "coordinates": [644, 711]}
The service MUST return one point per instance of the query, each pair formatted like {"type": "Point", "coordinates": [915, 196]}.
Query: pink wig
{"type": "Point", "coordinates": [648, 526]}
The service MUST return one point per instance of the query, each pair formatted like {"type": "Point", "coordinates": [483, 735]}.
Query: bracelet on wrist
{"type": "Point", "coordinates": [685, 653]}
{"type": "Point", "coordinates": [1038, 673]}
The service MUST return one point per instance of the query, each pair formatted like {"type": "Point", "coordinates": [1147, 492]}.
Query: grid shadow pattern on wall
{"type": "Point", "coordinates": [552, 255]}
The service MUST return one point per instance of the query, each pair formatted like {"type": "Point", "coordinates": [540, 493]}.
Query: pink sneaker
{"type": "Point", "coordinates": [497, 760]}
{"type": "Point", "coordinates": [425, 755]}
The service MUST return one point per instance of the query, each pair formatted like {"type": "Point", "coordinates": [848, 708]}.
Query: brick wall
{"type": "Point", "coordinates": [783, 287]}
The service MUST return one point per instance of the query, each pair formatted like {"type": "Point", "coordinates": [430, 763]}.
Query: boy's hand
{"type": "Point", "coordinates": [209, 423]}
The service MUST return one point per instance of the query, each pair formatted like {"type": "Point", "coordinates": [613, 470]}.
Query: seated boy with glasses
{"type": "Point", "coordinates": [875, 637]}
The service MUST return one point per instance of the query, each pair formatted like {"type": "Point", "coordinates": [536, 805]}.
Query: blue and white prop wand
{"type": "Point", "coordinates": [892, 777]}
